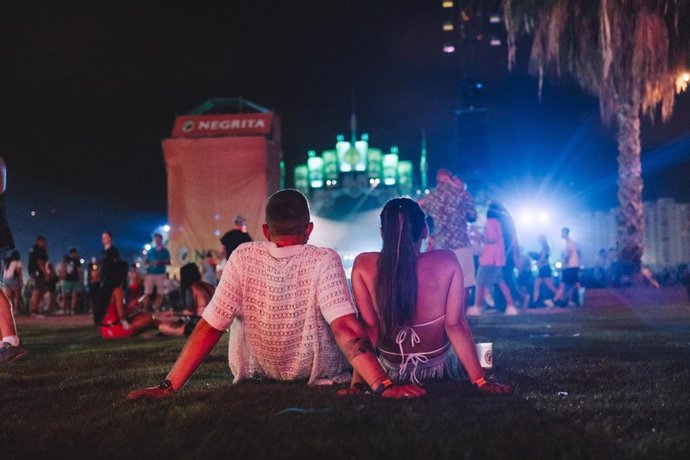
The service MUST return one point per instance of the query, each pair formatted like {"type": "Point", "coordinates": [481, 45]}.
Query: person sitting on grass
{"type": "Point", "coordinates": [295, 317]}
{"type": "Point", "coordinates": [412, 304]}
{"type": "Point", "coordinates": [201, 294]}
{"type": "Point", "coordinates": [120, 322]}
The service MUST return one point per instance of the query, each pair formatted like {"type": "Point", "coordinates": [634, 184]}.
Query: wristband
{"type": "Point", "coordinates": [383, 386]}
{"type": "Point", "coordinates": [480, 382]}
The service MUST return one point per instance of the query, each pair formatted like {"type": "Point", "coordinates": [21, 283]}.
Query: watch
{"type": "Point", "coordinates": [383, 386]}
{"type": "Point", "coordinates": [166, 385]}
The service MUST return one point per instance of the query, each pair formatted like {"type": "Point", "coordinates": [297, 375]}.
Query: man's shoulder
{"type": "Point", "coordinates": [321, 252]}
{"type": "Point", "coordinates": [251, 247]}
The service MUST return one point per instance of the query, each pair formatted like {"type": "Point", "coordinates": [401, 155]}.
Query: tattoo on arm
{"type": "Point", "coordinates": [357, 346]}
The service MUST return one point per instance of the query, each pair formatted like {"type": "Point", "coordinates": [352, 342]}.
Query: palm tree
{"type": "Point", "coordinates": [631, 54]}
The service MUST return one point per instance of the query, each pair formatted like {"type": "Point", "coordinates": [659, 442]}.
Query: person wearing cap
{"type": "Point", "coordinates": [289, 310]}
{"type": "Point", "coordinates": [157, 258]}
{"type": "Point", "coordinates": [235, 237]}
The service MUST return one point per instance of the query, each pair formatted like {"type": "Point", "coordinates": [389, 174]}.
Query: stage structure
{"type": "Point", "coordinates": [347, 188]}
{"type": "Point", "coordinates": [222, 159]}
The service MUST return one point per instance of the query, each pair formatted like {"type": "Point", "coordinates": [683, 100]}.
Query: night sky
{"type": "Point", "coordinates": [89, 89]}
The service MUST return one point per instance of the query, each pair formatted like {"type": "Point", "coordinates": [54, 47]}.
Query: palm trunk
{"type": "Point", "coordinates": [630, 219]}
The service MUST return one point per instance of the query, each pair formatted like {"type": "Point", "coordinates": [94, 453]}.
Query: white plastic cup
{"type": "Point", "coordinates": [485, 354]}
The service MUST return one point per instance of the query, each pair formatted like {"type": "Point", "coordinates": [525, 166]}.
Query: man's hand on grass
{"type": "Point", "coordinates": [151, 393]}
{"type": "Point", "coordinates": [495, 388]}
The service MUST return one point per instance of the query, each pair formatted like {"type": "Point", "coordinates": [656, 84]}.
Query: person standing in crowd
{"type": "Point", "coordinates": [491, 263]}
{"type": "Point", "coordinates": [157, 259]}
{"type": "Point", "coordinates": [109, 257]}
{"type": "Point", "coordinates": [452, 208]}
{"type": "Point", "coordinates": [570, 281]}
{"type": "Point", "coordinates": [13, 279]}
{"type": "Point", "coordinates": [545, 275]}
{"type": "Point", "coordinates": [94, 284]}
{"type": "Point", "coordinates": [52, 293]}
{"type": "Point", "coordinates": [209, 265]}
{"type": "Point", "coordinates": [38, 271]}
{"type": "Point", "coordinates": [11, 348]}
{"type": "Point", "coordinates": [235, 237]}
{"type": "Point", "coordinates": [512, 250]}
{"type": "Point", "coordinates": [295, 317]}
{"type": "Point", "coordinates": [72, 284]}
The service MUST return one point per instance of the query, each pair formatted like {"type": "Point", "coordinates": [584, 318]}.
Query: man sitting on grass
{"type": "Point", "coordinates": [280, 297]}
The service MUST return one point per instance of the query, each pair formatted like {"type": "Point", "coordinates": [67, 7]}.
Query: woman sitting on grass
{"type": "Point", "coordinates": [120, 322]}
{"type": "Point", "coordinates": [201, 293]}
{"type": "Point", "coordinates": [411, 304]}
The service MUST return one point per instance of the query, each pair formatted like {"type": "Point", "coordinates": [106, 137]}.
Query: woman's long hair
{"type": "Point", "coordinates": [402, 222]}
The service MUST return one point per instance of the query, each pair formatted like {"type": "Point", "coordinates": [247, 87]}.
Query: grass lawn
{"type": "Point", "coordinates": [589, 383]}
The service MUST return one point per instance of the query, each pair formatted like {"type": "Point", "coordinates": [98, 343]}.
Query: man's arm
{"type": "Point", "coordinates": [195, 351]}
{"type": "Point", "coordinates": [361, 270]}
{"type": "Point", "coordinates": [355, 344]}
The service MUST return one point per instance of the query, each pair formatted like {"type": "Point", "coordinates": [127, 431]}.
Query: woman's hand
{"type": "Point", "coordinates": [495, 388]}
{"type": "Point", "coordinates": [392, 392]}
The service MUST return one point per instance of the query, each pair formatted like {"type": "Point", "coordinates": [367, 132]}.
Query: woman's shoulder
{"type": "Point", "coordinates": [367, 257]}
{"type": "Point", "coordinates": [438, 260]}
{"type": "Point", "coordinates": [366, 262]}
{"type": "Point", "coordinates": [439, 255]}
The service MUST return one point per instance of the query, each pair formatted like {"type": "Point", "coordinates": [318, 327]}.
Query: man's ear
{"type": "Point", "coordinates": [266, 232]}
{"type": "Point", "coordinates": [309, 229]}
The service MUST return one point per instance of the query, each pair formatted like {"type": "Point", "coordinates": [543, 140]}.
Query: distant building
{"type": "Point", "coordinates": [467, 22]}
{"type": "Point", "coordinates": [666, 233]}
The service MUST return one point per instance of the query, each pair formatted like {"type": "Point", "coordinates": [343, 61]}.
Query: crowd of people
{"type": "Point", "coordinates": [289, 306]}
{"type": "Point", "coordinates": [497, 275]}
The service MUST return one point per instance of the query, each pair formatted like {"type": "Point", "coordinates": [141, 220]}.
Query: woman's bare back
{"type": "Point", "coordinates": [435, 270]}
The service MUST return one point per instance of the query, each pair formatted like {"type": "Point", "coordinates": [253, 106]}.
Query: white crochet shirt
{"type": "Point", "coordinates": [280, 302]}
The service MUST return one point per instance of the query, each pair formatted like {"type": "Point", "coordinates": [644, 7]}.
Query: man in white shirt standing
{"type": "Point", "coordinates": [290, 313]}
{"type": "Point", "coordinates": [570, 278]}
